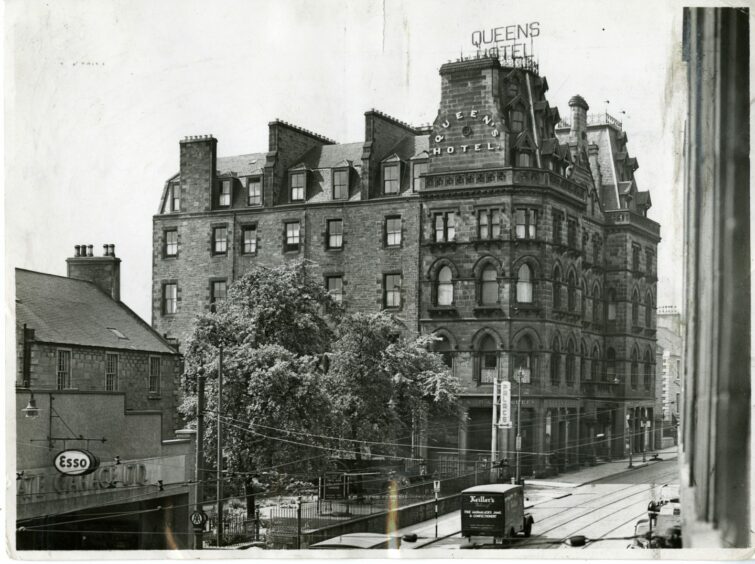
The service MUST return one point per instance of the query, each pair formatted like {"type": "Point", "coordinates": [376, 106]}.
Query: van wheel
{"type": "Point", "coordinates": [528, 528]}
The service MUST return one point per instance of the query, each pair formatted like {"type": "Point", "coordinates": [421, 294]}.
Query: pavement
{"type": "Point", "coordinates": [536, 492]}
{"type": "Point", "coordinates": [576, 478]}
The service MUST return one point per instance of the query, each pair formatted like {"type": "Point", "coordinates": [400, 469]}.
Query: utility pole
{"type": "Point", "coordinates": [520, 374]}
{"type": "Point", "coordinates": [199, 472]}
{"type": "Point", "coordinates": [219, 530]}
{"type": "Point", "coordinates": [629, 434]}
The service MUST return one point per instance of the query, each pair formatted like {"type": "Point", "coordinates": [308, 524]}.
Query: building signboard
{"type": "Point", "coordinates": [506, 42]}
{"type": "Point", "coordinates": [505, 412]}
{"type": "Point", "coordinates": [482, 514]}
{"type": "Point", "coordinates": [75, 462]}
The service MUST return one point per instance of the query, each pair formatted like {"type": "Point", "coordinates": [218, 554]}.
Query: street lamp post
{"type": "Point", "coordinates": [629, 434]}
{"type": "Point", "coordinates": [199, 490]}
{"type": "Point", "coordinates": [219, 489]}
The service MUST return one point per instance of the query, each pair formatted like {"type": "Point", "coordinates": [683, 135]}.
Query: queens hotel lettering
{"type": "Point", "coordinates": [468, 121]}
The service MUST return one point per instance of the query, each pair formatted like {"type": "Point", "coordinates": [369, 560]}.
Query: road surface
{"type": "Point", "coordinates": [605, 509]}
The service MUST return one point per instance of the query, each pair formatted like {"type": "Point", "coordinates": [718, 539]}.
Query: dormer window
{"type": "Point", "coordinates": [524, 159]}
{"type": "Point", "coordinates": [297, 182]}
{"type": "Point", "coordinates": [517, 121]}
{"type": "Point", "coordinates": [173, 203]}
{"type": "Point", "coordinates": [391, 178]}
{"type": "Point", "coordinates": [418, 169]}
{"type": "Point", "coordinates": [224, 196]}
{"type": "Point", "coordinates": [254, 191]}
{"type": "Point", "coordinates": [341, 184]}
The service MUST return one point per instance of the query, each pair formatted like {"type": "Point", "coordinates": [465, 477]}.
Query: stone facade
{"type": "Point", "coordinates": [524, 245]}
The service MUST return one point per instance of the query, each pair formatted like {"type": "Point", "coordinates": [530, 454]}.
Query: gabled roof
{"type": "Point", "coordinates": [410, 146]}
{"type": "Point", "coordinates": [333, 156]}
{"type": "Point", "coordinates": [65, 311]}
{"type": "Point", "coordinates": [549, 146]}
{"type": "Point", "coordinates": [242, 165]}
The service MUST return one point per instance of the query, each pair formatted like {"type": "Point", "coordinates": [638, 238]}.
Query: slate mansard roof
{"type": "Point", "coordinates": [73, 312]}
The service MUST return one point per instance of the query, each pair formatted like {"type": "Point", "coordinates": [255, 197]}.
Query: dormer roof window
{"type": "Point", "coordinates": [224, 193]}
{"type": "Point", "coordinates": [297, 183]}
{"type": "Point", "coordinates": [391, 173]}
{"type": "Point", "coordinates": [341, 180]}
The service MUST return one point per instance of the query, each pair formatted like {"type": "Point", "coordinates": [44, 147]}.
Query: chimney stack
{"type": "Point", "coordinates": [578, 117]}
{"type": "Point", "coordinates": [104, 272]}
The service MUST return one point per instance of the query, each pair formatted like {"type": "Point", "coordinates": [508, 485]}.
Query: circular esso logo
{"type": "Point", "coordinates": [75, 462]}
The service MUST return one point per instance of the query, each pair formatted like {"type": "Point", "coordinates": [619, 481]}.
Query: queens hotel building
{"type": "Point", "coordinates": [518, 238]}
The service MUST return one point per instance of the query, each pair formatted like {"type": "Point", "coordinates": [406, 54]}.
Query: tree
{"type": "Point", "coordinates": [273, 327]}
{"type": "Point", "coordinates": [385, 384]}
{"type": "Point", "coordinates": [302, 380]}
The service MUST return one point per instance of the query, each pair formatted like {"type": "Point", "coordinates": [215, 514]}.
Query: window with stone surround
{"type": "Point", "coordinates": [636, 258]}
{"type": "Point", "coordinates": [597, 306]}
{"type": "Point", "coordinates": [610, 374]}
{"type": "Point", "coordinates": [340, 183]}
{"type": "Point", "coordinates": [649, 259]}
{"type": "Point", "coordinates": [488, 360]}
{"type": "Point", "coordinates": [557, 288]}
{"type": "Point", "coordinates": [292, 234]}
{"type": "Point", "coordinates": [334, 285]}
{"type": "Point", "coordinates": [571, 291]}
{"type": "Point", "coordinates": [635, 308]}
{"type": "Point", "coordinates": [571, 232]}
{"type": "Point", "coordinates": [444, 290]}
{"type": "Point", "coordinates": [634, 373]}
{"type": "Point", "coordinates": [649, 310]}
{"type": "Point", "coordinates": [523, 359]}
{"type": "Point", "coordinates": [517, 121]}
{"type": "Point", "coordinates": [154, 375]}
{"type": "Point", "coordinates": [254, 191]}
{"type": "Point", "coordinates": [489, 286]}
{"type": "Point", "coordinates": [393, 231]}
{"type": "Point", "coordinates": [219, 240]}
{"type": "Point", "coordinates": [170, 246]}
{"type": "Point", "coordinates": [488, 224]}
{"type": "Point", "coordinates": [392, 290]}
{"type": "Point", "coordinates": [218, 293]}
{"type": "Point", "coordinates": [611, 298]}
{"type": "Point", "coordinates": [524, 285]}
{"type": "Point", "coordinates": [556, 363]}
{"type": "Point", "coordinates": [526, 223]}
{"type": "Point", "coordinates": [111, 372]}
{"type": "Point", "coordinates": [557, 227]}
{"type": "Point", "coordinates": [63, 369]}
{"type": "Point", "coordinates": [570, 363]}
{"type": "Point", "coordinates": [170, 298]}
{"type": "Point", "coordinates": [649, 369]}
{"type": "Point", "coordinates": [334, 234]}
{"type": "Point", "coordinates": [249, 239]}
{"type": "Point", "coordinates": [444, 226]}
{"type": "Point", "coordinates": [173, 198]}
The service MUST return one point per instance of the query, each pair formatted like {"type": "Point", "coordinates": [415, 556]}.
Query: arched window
{"type": "Point", "coordinates": [489, 286]}
{"type": "Point", "coordinates": [524, 285]}
{"type": "Point", "coordinates": [571, 291]}
{"type": "Point", "coordinates": [556, 363]}
{"type": "Point", "coordinates": [635, 308]}
{"type": "Point", "coordinates": [649, 310]}
{"type": "Point", "coordinates": [635, 370]}
{"type": "Point", "coordinates": [443, 348]}
{"type": "Point", "coordinates": [584, 363]}
{"type": "Point", "coordinates": [488, 362]}
{"type": "Point", "coordinates": [583, 300]}
{"type": "Point", "coordinates": [649, 369]}
{"type": "Point", "coordinates": [597, 316]}
{"type": "Point", "coordinates": [570, 363]}
{"type": "Point", "coordinates": [523, 358]}
{"type": "Point", "coordinates": [596, 366]}
{"type": "Point", "coordinates": [611, 366]}
{"type": "Point", "coordinates": [557, 288]}
{"type": "Point", "coordinates": [445, 287]}
{"type": "Point", "coordinates": [611, 305]}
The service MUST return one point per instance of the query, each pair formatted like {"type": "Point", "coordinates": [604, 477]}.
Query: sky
{"type": "Point", "coordinates": [99, 93]}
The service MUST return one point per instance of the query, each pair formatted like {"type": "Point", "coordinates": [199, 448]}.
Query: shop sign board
{"type": "Point", "coordinates": [482, 514]}
{"type": "Point", "coordinates": [76, 462]}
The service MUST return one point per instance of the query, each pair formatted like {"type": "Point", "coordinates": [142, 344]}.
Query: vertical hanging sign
{"type": "Point", "coordinates": [504, 419]}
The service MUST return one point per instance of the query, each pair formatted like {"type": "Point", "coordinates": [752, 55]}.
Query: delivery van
{"type": "Point", "coordinates": [494, 510]}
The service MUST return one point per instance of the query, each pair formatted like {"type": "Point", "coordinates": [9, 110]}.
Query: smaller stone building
{"type": "Point", "coordinates": [92, 375]}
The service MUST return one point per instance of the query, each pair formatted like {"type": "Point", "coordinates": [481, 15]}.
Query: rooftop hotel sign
{"type": "Point", "coordinates": [506, 42]}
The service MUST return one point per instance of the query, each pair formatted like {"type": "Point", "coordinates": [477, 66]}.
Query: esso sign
{"type": "Point", "coordinates": [75, 462]}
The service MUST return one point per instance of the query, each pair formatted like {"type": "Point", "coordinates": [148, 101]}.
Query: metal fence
{"type": "Point", "coordinates": [286, 523]}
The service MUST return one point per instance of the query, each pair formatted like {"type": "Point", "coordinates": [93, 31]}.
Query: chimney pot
{"type": "Point", "coordinates": [77, 250]}
{"type": "Point", "coordinates": [89, 250]}
{"type": "Point", "coordinates": [112, 250]}
{"type": "Point", "coordinates": [105, 250]}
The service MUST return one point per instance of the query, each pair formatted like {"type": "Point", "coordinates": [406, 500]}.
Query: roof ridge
{"type": "Point", "coordinates": [278, 121]}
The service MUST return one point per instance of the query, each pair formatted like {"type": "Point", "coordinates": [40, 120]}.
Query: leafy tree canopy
{"type": "Point", "coordinates": [303, 381]}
